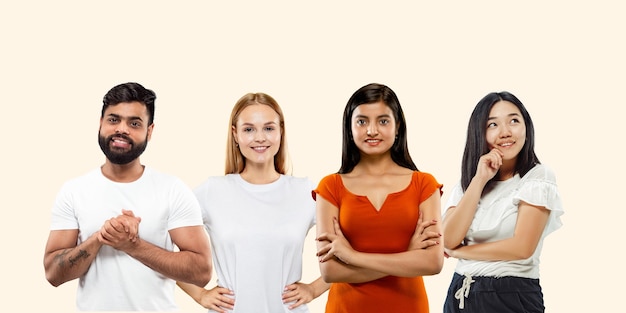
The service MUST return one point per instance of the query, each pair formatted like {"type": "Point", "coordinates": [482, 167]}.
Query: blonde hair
{"type": "Point", "coordinates": [235, 161]}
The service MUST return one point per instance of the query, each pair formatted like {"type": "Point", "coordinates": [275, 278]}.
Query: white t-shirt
{"type": "Point", "coordinates": [257, 234]}
{"type": "Point", "coordinates": [116, 281]}
{"type": "Point", "coordinates": [496, 217]}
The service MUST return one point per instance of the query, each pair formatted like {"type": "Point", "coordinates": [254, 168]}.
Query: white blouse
{"type": "Point", "coordinates": [496, 216]}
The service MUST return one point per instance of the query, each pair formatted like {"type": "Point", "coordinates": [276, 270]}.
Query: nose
{"type": "Point", "coordinates": [372, 130]}
{"type": "Point", "coordinates": [259, 136]}
{"type": "Point", "coordinates": [122, 128]}
{"type": "Point", "coordinates": [505, 131]}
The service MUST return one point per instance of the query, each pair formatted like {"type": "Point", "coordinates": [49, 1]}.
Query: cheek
{"type": "Point", "coordinates": [276, 138]}
{"type": "Point", "coordinates": [243, 138]}
{"type": "Point", "coordinates": [490, 137]}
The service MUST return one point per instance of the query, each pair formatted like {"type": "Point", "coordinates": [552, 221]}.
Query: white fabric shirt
{"type": "Point", "coordinates": [257, 234]}
{"type": "Point", "coordinates": [496, 217]}
{"type": "Point", "coordinates": [116, 281]}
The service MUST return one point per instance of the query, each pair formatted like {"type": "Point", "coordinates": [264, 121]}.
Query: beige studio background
{"type": "Point", "coordinates": [563, 59]}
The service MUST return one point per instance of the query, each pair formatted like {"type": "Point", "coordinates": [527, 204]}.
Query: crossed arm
{"type": "Point", "coordinates": [531, 221]}
{"type": "Point", "coordinates": [339, 262]}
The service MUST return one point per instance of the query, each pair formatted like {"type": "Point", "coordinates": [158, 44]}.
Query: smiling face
{"type": "Point", "coordinates": [257, 133]}
{"type": "Point", "coordinates": [506, 130]}
{"type": "Point", "coordinates": [124, 132]}
{"type": "Point", "coordinates": [373, 128]}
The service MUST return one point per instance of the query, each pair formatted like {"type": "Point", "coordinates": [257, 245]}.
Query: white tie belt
{"type": "Point", "coordinates": [463, 292]}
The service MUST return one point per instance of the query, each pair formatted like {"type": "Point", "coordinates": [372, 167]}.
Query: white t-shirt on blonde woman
{"type": "Point", "coordinates": [257, 235]}
{"type": "Point", "coordinates": [496, 217]}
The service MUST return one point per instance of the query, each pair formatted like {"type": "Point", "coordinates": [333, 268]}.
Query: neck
{"type": "Point", "coordinates": [122, 173]}
{"type": "Point", "coordinates": [376, 165]}
{"type": "Point", "coordinates": [259, 176]}
{"type": "Point", "coordinates": [506, 171]}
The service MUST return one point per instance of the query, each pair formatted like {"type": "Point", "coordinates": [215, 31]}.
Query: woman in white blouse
{"type": "Point", "coordinates": [499, 213]}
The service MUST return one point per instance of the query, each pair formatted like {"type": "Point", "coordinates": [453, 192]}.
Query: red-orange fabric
{"type": "Point", "coordinates": [388, 230]}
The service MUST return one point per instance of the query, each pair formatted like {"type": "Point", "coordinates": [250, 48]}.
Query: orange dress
{"type": "Point", "coordinates": [388, 230]}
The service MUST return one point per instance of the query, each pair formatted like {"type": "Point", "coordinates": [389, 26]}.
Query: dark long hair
{"type": "Point", "coordinates": [476, 144]}
{"type": "Point", "coordinates": [372, 93]}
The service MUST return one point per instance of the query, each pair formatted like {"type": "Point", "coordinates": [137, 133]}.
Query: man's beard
{"type": "Point", "coordinates": [121, 157]}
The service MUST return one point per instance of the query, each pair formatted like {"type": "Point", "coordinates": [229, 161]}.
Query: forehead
{"type": "Point", "coordinates": [257, 113]}
{"type": "Point", "coordinates": [127, 109]}
{"type": "Point", "coordinates": [372, 109]}
{"type": "Point", "coordinates": [504, 108]}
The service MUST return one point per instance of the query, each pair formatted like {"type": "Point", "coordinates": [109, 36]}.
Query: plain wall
{"type": "Point", "coordinates": [564, 60]}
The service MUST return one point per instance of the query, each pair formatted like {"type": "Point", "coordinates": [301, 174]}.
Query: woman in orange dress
{"type": "Point", "coordinates": [377, 218]}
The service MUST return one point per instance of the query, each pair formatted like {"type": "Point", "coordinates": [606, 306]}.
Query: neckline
{"type": "Point", "coordinates": [382, 205]}
{"type": "Point", "coordinates": [145, 171]}
{"type": "Point", "coordinates": [249, 185]}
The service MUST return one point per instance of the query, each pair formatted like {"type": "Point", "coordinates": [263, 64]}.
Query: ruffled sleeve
{"type": "Point", "coordinates": [453, 198]}
{"type": "Point", "coordinates": [538, 187]}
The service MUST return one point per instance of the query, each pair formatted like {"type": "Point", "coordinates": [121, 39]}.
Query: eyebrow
{"type": "Point", "coordinates": [265, 124]}
{"type": "Point", "coordinates": [132, 118]}
{"type": "Point", "coordinates": [508, 115]}
{"type": "Point", "coordinates": [365, 116]}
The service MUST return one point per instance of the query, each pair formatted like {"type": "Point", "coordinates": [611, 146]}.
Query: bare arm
{"type": "Point", "coordinates": [64, 260]}
{"type": "Point", "coordinates": [195, 292]}
{"type": "Point", "coordinates": [531, 222]}
{"type": "Point", "coordinates": [218, 299]}
{"type": "Point", "coordinates": [192, 264]}
{"type": "Point", "coordinates": [333, 270]}
{"type": "Point", "coordinates": [301, 293]}
{"type": "Point", "coordinates": [319, 287]}
{"type": "Point", "coordinates": [410, 263]}
{"type": "Point", "coordinates": [458, 219]}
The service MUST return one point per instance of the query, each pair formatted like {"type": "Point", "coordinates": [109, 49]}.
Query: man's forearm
{"type": "Point", "coordinates": [68, 264]}
{"type": "Point", "coordinates": [183, 266]}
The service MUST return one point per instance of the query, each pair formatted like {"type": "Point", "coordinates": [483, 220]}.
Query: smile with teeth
{"type": "Point", "coordinates": [260, 149]}
{"type": "Point", "coordinates": [373, 142]}
{"type": "Point", "coordinates": [120, 142]}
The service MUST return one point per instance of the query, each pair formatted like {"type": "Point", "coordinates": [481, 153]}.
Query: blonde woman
{"type": "Point", "coordinates": [257, 218]}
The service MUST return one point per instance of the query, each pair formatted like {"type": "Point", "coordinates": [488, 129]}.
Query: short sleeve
{"type": "Point", "coordinates": [327, 188]}
{"type": "Point", "coordinates": [539, 188]}
{"type": "Point", "coordinates": [63, 216]}
{"type": "Point", "coordinates": [454, 197]}
{"type": "Point", "coordinates": [185, 208]}
{"type": "Point", "coordinates": [311, 188]}
{"type": "Point", "coordinates": [427, 185]}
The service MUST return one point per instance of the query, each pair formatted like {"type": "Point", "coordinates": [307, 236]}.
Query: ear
{"type": "Point", "coordinates": [234, 130]}
{"type": "Point", "coordinates": [150, 128]}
